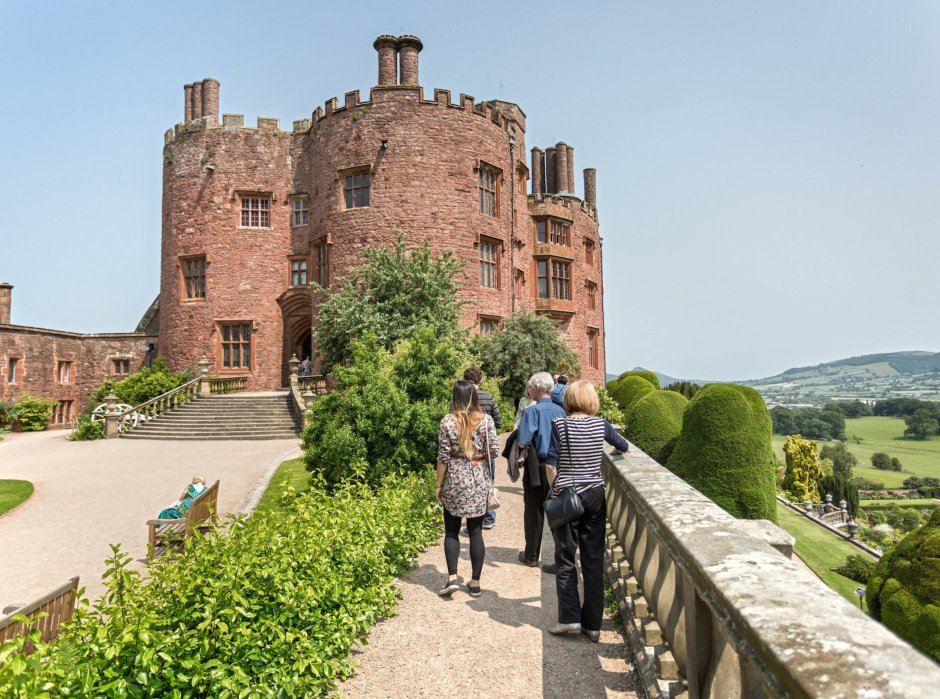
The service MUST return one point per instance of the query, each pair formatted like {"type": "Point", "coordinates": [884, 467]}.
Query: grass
{"type": "Point", "coordinates": [289, 474]}
{"type": "Point", "coordinates": [867, 435]}
{"type": "Point", "coordinates": [918, 503]}
{"type": "Point", "coordinates": [12, 493]}
{"type": "Point", "coordinates": [820, 550]}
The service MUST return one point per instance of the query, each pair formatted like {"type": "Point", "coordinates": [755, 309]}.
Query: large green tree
{"type": "Point", "coordinates": [801, 481]}
{"type": "Point", "coordinates": [843, 461]}
{"type": "Point", "coordinates": [524, 344]}
{"type": "Point", "coordinates": [395, 292]}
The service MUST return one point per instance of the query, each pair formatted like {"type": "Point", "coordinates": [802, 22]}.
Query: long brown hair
{"type": "Point", "coordinates": [465, 408]}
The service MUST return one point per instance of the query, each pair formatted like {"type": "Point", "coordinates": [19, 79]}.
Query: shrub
{"type": "Point", "coordinates": [904, 590]}
{"type": "Point", "coordinates": [140, 386]}
{"type": "Point", "coordinates": [654, 423]}
{"type": "Point", "coordinates": [725, 450]}
{"type": "Point", "coordinates": [86, 430]}
{"type": "Point", "coordinates": [857, 567]}
{"type": "Point", "coordinates": [7, 414]}
{"type": "Point", "coordinates": [32, 414]}
{"type": "Point", "coordinates": [643, 374]}
{"type": "Point", "coordinates": [629, 390]}
{"type": "Point", "coordinates": [609, 409]}
{"type": "Point", "coordinates": [801, 480]}
{"type": "Point", "coordinates": [272, 608]}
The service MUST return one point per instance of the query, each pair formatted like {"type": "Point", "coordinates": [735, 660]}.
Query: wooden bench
{"type": "Point", "coordinates": [166, 531]}
{"type": "Point", "coordinates": [58, 607]}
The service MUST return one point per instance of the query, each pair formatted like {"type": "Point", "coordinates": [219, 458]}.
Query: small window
{"type": "Point", "coordinates": [542, 270]}
{"type": "Point", "coordinates": [236, 345]}
{"type": "Point", "coordinates": [63, 372]}
{"type": "Point", "coordinates": [561, 280]}
{"type": "Point", "coordinates": [592, 295]}
{"type": "Point", "coordinates": [120, 367]}
{"type": "Point", "coordinates": [489, 191]}
{"type": "Point", "coordinates": [323, 264]}
{"type": "Point", "coordinates": [194, 278]}
{"type": "Point", "coordinates": [541, 230]}
{"type": "Point", "coordinates": [593, 358]}
{"type": "Point", "coordinates": [488, 325]}
{"type": "Point", "coordinates": [301, 212]}
{"type": "Point", "coordinates": [12, 366]}
{"type": "Point", "coordinates": [256, 212]}
{"type": "Point", "coordinates": [589, 252]}
{"type": "Point", "coordinates": [558, 233]}
{"type": "Point", "coordinates": [356, 190]}
{"type": "Point", "coordinates": [298, 272]}
{"type": "Point", "coordinates": [489, 264]}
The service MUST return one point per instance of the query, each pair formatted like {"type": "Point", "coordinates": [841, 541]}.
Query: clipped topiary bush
{"type": "Point", "coordinates": [655, 421]}
{"type": "Point", "coordinates": [725, 452]}
{"type": "Point", "coordinates": [904, 590]}
{"type": "Point", "coordinates": [643, 374]}
{"type": "Point", "coordinates": [629, 390]}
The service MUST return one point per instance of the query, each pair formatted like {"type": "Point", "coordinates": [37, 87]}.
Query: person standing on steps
{"type": "Point", "coordinates": [488, 405]}
{"type": "Point", "coordinates": [535, 431]}
{"type": "Point", "coordinates": [467, 445]}
{"type": "Point", "coordinates": [574, 461]}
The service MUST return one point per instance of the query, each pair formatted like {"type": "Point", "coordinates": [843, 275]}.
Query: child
{"type": "Point", "coordinates": [178, 509]}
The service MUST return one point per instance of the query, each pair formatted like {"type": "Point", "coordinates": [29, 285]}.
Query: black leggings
{"type": "Point", "coordinates": [452, 543]}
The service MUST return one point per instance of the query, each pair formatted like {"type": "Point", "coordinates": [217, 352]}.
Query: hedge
{"type": "Point", "coordinates": [655, 421]}
{"type": "Point", "coordinates": [643, 374]}
{"type": "Point", "coordinates": [270, 609]}
{"type": "Point", "coordinates": [725, 450]}
{"type": "Point", "coordinates": [904, 590]}
{"type": "Point", "coordinates": [629, 390]}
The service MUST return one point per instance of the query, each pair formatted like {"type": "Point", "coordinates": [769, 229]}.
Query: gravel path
{"type": "Point", "coordinates": [494, 645]}
{"type": "Point", "coordinates": [92, 494]}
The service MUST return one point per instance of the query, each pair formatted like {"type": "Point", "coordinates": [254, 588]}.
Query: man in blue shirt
{"type": "Point", "coordinates": [535, 431]}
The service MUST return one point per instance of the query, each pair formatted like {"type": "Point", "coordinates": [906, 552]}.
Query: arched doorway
{"type": "Point", "coordinates": [296, 311]}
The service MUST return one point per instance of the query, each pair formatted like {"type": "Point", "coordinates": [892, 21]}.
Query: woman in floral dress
{"type": "Point", "coordinates": [467, 444]}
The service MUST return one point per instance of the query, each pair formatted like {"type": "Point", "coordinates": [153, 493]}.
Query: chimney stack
{"type": "Point", "coordinates": [196, 101]}
{"type": "Point", "coordinates": [590, 186]}
{"type": "Point", "coordinates": [210, 100]}
{"type": "Point", "coordinates": [561, 167]}
{"type": "Point", "coordinates": [187, 103]}
{"type": "Point", "coordinates": [538, 165]}
{"type": "Point", "coordinates": [408, 48]}
{"type": "Point", "coordinates": [550, 183]}
{"type": "Point", "coordinates": [387, 46]}
{"type": "Point", "coordinates": [6, 294]}
{"type": "Point", "coordinates": [571, 185]}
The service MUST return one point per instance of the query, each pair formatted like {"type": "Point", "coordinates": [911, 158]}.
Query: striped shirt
{"type": "Point", "coordinates": [576, 450]}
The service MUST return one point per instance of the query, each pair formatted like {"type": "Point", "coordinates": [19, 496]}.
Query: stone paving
{"type": "Point", "coordinates": [92, 494]}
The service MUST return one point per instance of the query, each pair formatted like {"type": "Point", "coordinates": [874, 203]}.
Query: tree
{"type": "Point", "coordinates": [686, 388]}
{"type": "Point", "coordinates": [840, 488]}
{"type": "Point", "coordinates": [801, 481]}
{"type": "Point", "coordinates": [784, 420]}
{"type": "Point", "coordinates": [655, 422]}
{"type": "Point", "coordinates": [836, 423]}
{"type": "Point", "coordinates": [921, 425]}
{"type": "Point", "coordinates": [881, 461]}
{"type": "Point", "coordinates": [849, 408]}
{"type": "Point", "coordinates": [843, 461]}
{"type": "Point", "coordinates": [395, 292]}
{"type": "Point", "coordinates": [895, 464]}
{"type": "Point", "coordinates": [524, 344]}
{"type": "Point", "coordinates": [725, 452]}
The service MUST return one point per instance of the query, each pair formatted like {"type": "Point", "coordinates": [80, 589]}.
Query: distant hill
{"type": "Point", "coordinates": [889, 375]}
{"type": "Point", "coordinates": [664, 379]}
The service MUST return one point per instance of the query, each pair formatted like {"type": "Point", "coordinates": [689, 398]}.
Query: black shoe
{"type": "Point", "coordinates": [474, 590]}
{"type": "Point", "coordinates": [450, 587]}
{"type": "Point", "coordinates": [550, 568]}
{"type": "Point", "coordinates": [526, 562]}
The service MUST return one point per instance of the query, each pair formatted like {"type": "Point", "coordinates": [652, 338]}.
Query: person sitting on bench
{"type": "Point", "coordinates": [179, 508]}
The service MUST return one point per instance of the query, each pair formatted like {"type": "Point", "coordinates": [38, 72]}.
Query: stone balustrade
{"type": "Point", "coordinates": [714, 608]}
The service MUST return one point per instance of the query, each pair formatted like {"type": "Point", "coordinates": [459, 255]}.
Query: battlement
{"type": "Point", "coordinates": [541, 204]}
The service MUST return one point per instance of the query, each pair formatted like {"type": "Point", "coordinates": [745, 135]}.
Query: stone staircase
{"type": "Point", "coordinates": [234, 416]}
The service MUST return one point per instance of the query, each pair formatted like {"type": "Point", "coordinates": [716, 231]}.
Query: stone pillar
{"type": "Point", "coordinates": [590, 186]}
{"type": "Point", "coordinates": [551, 186]}
{"type": "Point", "coordinates": [203, 377]}
{"type": "Point", "coordinates": [387, 46]}
{"type": "Point", "coordinates": [408, 48]}
{"type": "Point", "coordinates": [111, 424]}
{"type": "Point", "coordinates": [571, 184]}
{"type": "Point", "coordinates": [187, 103]}
{"type": "Point", "coordinates": [293, 363]}
{"type": "Point", "coordinates": [196, 101]}
{"type": "Point", "coordinates": [538, 183]}
{"type": "Point", "coordinates": [561, 167]}
{"type": "Point", "coordinates": [210, 100]}
{"type": "Point", "coordinates": [6, 303]}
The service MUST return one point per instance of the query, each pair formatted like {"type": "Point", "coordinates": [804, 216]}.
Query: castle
{"type": "Point", "coordinates": [252, 216]}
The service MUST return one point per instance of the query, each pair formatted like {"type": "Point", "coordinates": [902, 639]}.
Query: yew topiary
{"type": "Point", "coordinates": [725, 451]}
{"type": "Point", "coordinates": [655, 421]}
{"type": "Point", "coordinates": [629, 390]}
{"type": "Point", "coordinates": [642, 373]}
{"type": "Point", "coordinates": [904, 590]}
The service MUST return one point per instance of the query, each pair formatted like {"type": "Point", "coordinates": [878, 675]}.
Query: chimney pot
{"type": "Point", "coordinates": [387, 46]}
{"type": "Point", "coordinates": [6, 298]}
{"type": "Point", "coordinates": [408, 49]}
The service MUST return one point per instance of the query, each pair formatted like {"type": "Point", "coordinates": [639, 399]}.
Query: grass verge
{"type": "Point", "coordinates": [290, 474]}
{"type": "Point", "coordinates": [12, 493]}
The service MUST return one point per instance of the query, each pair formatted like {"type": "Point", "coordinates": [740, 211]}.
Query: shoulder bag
{"type": "Point", "coordinates": [492, 496]}
{"type": "Point", "coordinates": [566, 506]}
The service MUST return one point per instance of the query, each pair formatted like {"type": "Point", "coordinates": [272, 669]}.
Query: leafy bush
{"type": "Point", "coordinates": [629, 390]}
{"type": "Point", "coordinates": [883, 462]}
{"type": "Point", "coordinates": [86, 430]}
{"type": "Point", "coordinates": [493, 386]}
{"type": "Point", "coordinates": [643, 374]}
{"type": "Point", "coordinates": [857, 567]}
{"type": "Point", "coordinates": [7, 414]}
{"type": "Point", "coordinates": [801, 480]}
{"type": "Point", "coordinates": [725, 451]}
{"type": "Point", "coordinates": [654, 423]}
{"type": "Point", "coordinates": [609, 409]}
{"type": "Point", "coordinates": [140, 386]}
{"type": "Point", "coordinates": [270, 609]}
{"type": "Point", "coordinates": [33, 414]}
{"type": "Point", "coordinates": [904, 590]}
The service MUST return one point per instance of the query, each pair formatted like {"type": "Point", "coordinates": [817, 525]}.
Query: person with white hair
{"type": "Point", "coordinates": [535, 432]}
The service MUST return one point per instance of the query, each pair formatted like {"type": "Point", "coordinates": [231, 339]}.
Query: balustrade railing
{"type": "Point", "coordinates": [227, 384]}
{"type": "Point", "coordinates": [125, 421]}
{"type": "Point", "coordinates": [714, 607]}
{"type": "Point", "coordinates": [316, 383]}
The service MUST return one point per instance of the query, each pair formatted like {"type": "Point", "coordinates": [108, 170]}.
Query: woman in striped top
{"type": "Point", "coordinates": [574, 461]}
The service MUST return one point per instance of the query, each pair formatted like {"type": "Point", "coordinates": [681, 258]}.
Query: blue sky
{"type": "Point", "coordinates": [768, 173]}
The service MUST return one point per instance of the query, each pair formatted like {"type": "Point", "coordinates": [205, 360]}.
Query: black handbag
{"type": "Point", "coordinates": [566, 506]}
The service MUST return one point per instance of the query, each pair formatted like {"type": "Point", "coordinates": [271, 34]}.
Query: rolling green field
{"type": "Point", "coordinates": [820, 550]}
{"type": "Point", "coordinates": [867, 435]}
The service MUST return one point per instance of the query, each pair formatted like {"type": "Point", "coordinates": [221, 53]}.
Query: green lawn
{"type": "Point", "coordinates": [885, 434]}
{"type": "Point", "coordinates": [290, 473]}
{"type": "Point", "coordinates": [919, 503]}
{"type": "Point", "coordinates": [12, 493]}
{"type": "Point", "coordinates": [821, 550]}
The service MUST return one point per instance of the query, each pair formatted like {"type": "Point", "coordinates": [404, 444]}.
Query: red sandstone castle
{"type": "Point", "coordinates": [251, 216]}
